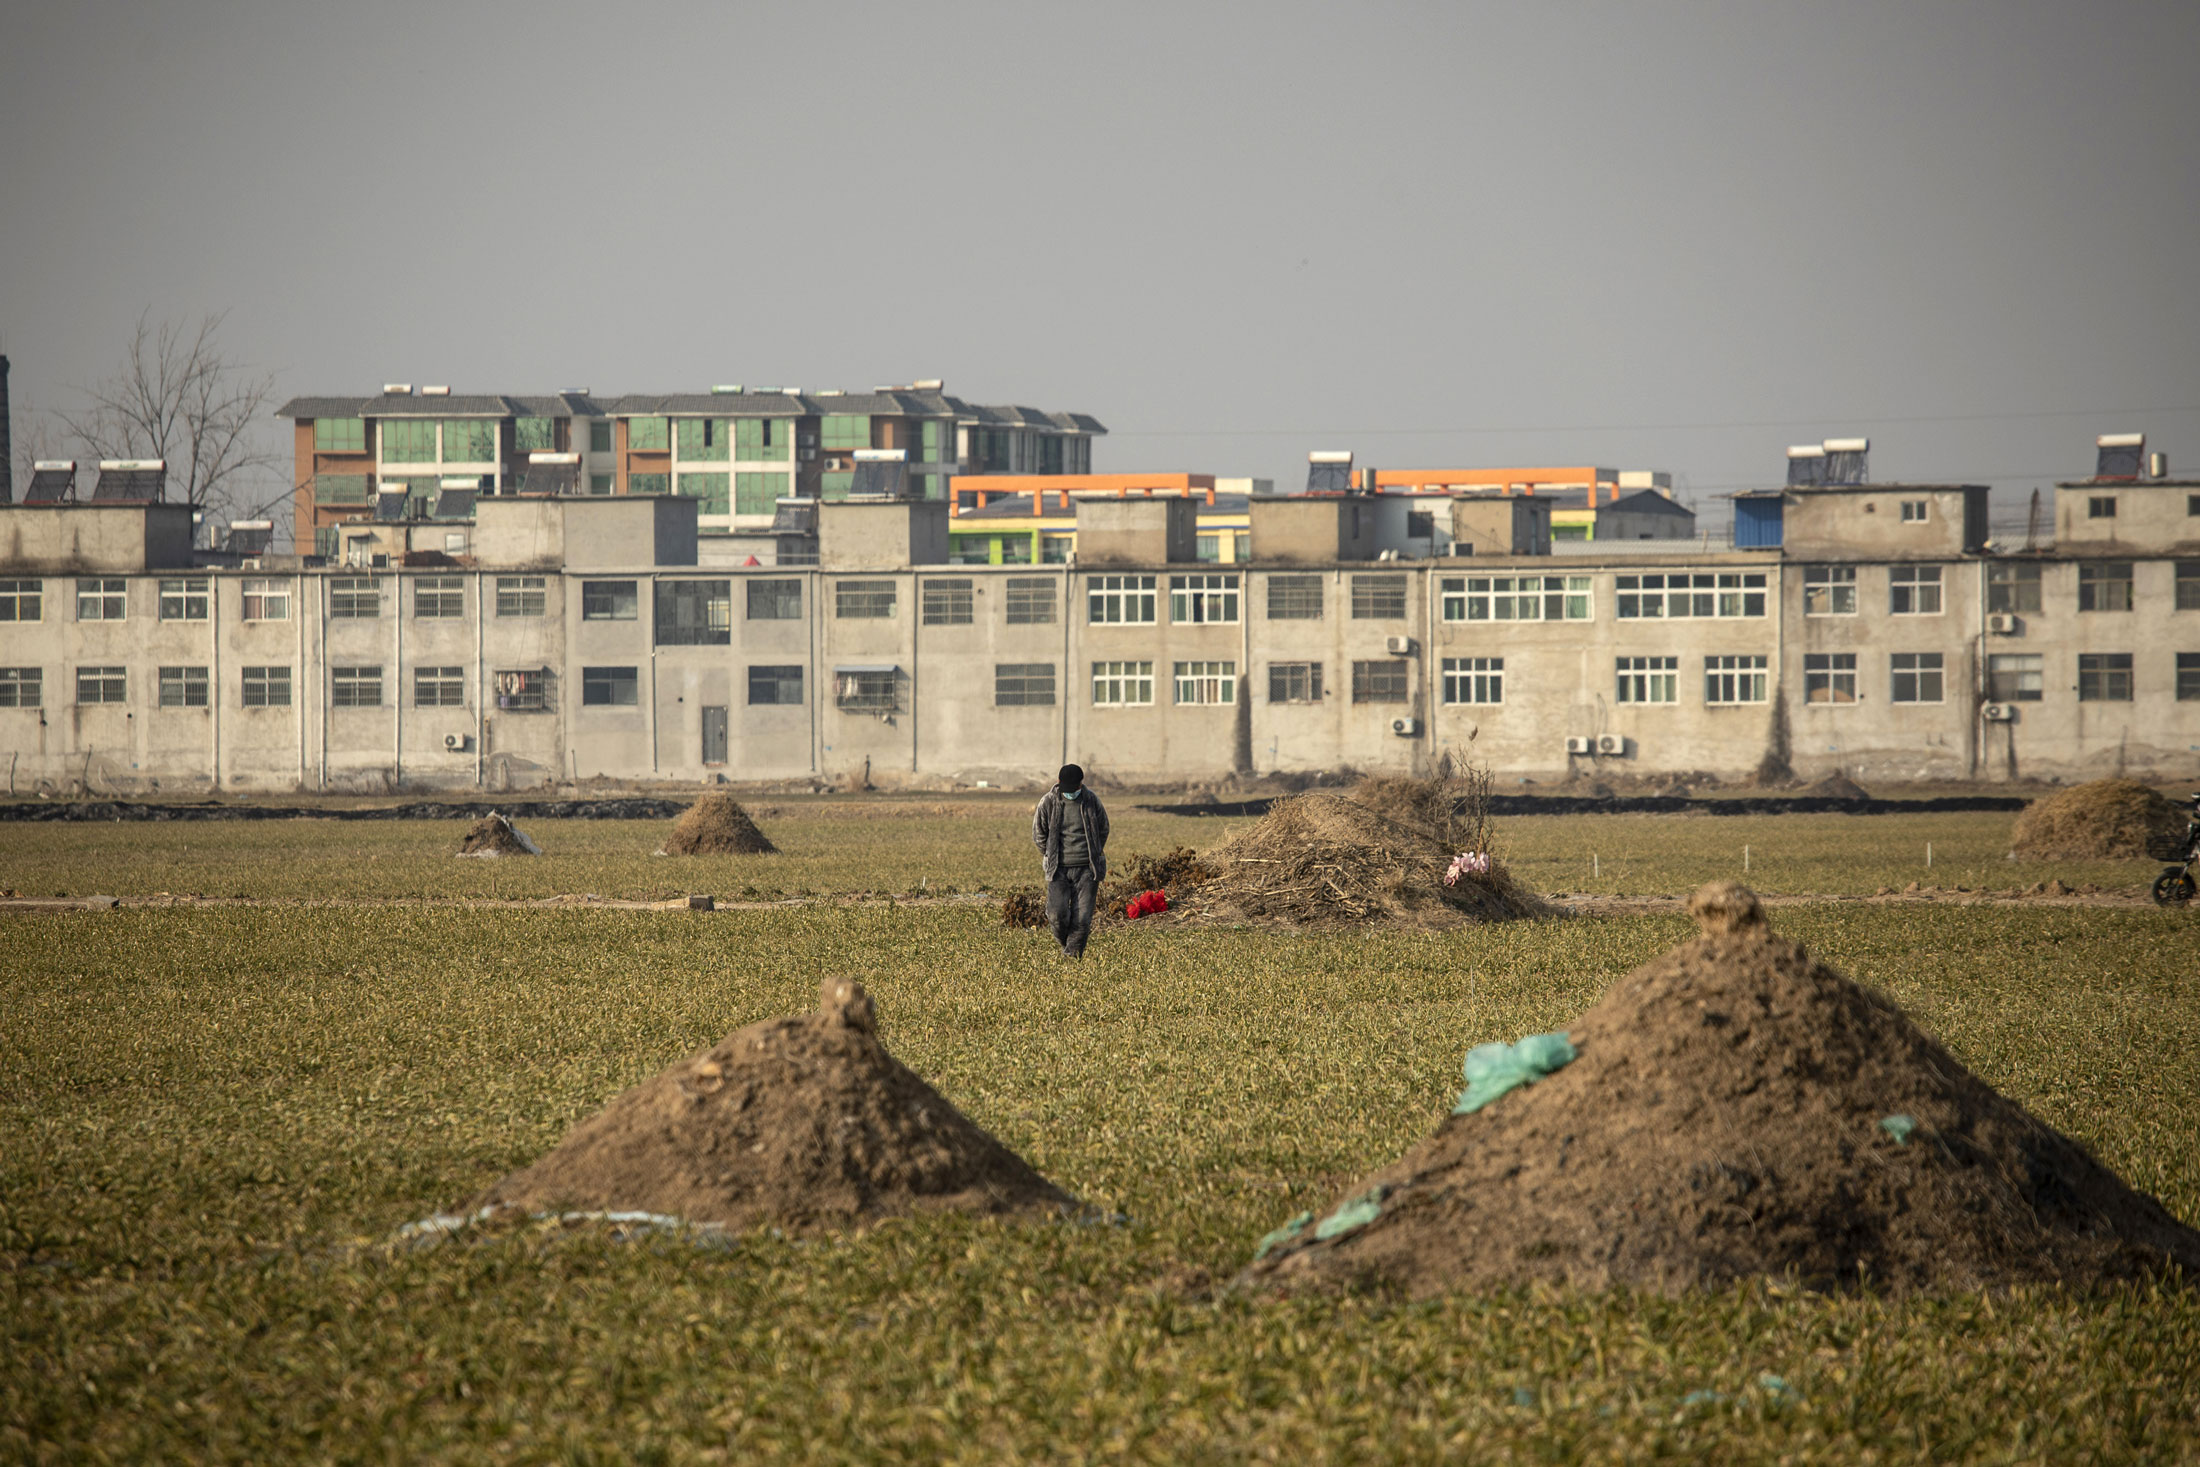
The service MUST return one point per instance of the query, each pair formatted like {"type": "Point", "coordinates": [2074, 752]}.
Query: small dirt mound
{"type": "Point", "coordinates": [1835, 786]}
{"type": "Point", "coordinates": [800, 1122]}
{"type": "Point", "coordinates": [1734, 1109]}
{"type": "Point", "coordinates": [716, 825]}
{"type": "Point", "coordinates": [494, 835]}
{"type": "Point", "coordinates": [1025, 908]}
{"type": "Point", "coordinates": [2106, 819]}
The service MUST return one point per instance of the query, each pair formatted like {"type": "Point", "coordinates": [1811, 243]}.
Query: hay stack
{"type": "Point", "coordinates": [716, 825]}
{"type": "Point", "coordinates": [2106, 819]}
{"type": "Point", "coordinates": [494, 835]}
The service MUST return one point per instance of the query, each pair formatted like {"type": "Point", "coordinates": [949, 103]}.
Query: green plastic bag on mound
{"type": "Point", "coordinates": [1493, 1069]}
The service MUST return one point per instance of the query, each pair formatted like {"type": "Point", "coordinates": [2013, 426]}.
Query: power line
{"type": "Point", "coordinates": [1851, 421]}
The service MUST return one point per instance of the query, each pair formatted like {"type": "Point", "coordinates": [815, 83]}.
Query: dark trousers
{"type": "Point", "coordinates": [1070, 896]}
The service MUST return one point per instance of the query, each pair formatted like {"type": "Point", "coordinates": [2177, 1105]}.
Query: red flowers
{"type": "Point", "coordinates": [1146, 903]}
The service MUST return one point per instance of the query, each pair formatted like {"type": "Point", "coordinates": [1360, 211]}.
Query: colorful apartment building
{"type": "Point", "coordinates": [1006, 519]}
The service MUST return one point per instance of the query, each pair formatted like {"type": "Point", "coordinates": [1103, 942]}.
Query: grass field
{"type": "Point", "coordinates": [217, 1116]}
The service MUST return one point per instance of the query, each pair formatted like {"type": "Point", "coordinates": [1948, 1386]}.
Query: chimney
{"type": "Point", "coordinates": [7, 441]}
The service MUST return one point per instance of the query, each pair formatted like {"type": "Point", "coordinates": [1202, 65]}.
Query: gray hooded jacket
{"type": "Point", "coordinates": [1046, 828]}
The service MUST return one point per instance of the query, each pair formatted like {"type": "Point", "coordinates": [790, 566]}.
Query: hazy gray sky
{"type": "Point", "coordinates": [1675, 236]}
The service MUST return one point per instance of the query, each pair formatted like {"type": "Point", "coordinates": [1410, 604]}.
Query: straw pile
{"type": "Point", "coordinates": [2108, 818]}
{"type": "Point", "coordinates": [716, 825]}
{"type": "Point", "coordinates": [494, 835]}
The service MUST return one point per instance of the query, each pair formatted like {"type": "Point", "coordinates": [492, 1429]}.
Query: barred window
{"type": "Point", "coordinates": [355, 687]}
{"type": "Point", "coordinates": [183, 598]}
{"type": "Point", "coordinates": [694, 613]}
{"type": "Point", "coordinates": [102, 685]}
{"type": "Point", "coordinates": [775, 600]}
{"type": "Point", "coordinates": [866, 691]}
{"type": "Point", "coordinates": [22, 601]}
{"type": "Point", "coordinates": [2188, 587]}
{"type": "Point", "coordinates": [521, 595]}
{"type": "Point", "coordinates": [1206, 682]}
{"type": "Point", "coordinates": [1294, 598]}
{"type": "Point", "coordinates": [1474, 679]}
{"type": "Point", "coordinates": [439, 687]}
{"type": "Point", "coordinates": [1378, 598]}
{"type": "Point", "coordinates": [354, 598]}
{"type": "Point", "coordinates": [863, 600]}
{"type": "Point", "coordinates": [610, 601]}
{"type": "Point", "coordinates": [1122, 684]}
{"type": "Point", "coordinates": [1196, 600]}
{"type": "Point", "coordinates": [1120, 600]}
{"type": "Point", "coordinates": [439, 598]}
{"type": "Point", "coordinates": [266, 687]}
{"type": "Point", "coordinates": [947, 603]}
{"type": "Point", "coordinates": [1023, 684]}
{"type": "Point", "coordinates": [183, 687]}
{"type": "Point", "coordinates": [1914, 677]}
{"type": "Point", "coordinates": [523, 690]}
{"type": "Point", "coordinates": [266, 598]}
{"type": "Point", "coordinates": [1518, 598]}
{"type": "Point", "coordinates": [2015, 677]}
{"type": "Point", "coordinates": [610, 687]}
{"type": "Point", "coordinates": [22, 687]}
{"type": "Point", "coordinates": [1913, 590]}
{"type": "Point", "coordinates": [1828, 590]}
{"type": "Point", "coordinates": [2105, 586]}
{"type": "Point", "coordinates": [2188, 677]}
{"type": "Point", "coordinates": [1734, 679]}
{"type": "Point", "coordinates": [1683, 595]}
{"type": "Point", "coordinates": [1030, 601]}
{"type": "Point", "coordinates": [1829, 677]}
{"type": "Point", "coordinates": [1385, 681]}
{"type": "Point", "coordinates": [1649, 679]}
{"type": "Point", "coordinates": [102, 599]}
{"type": "Point", "coordinates": [775, 685]}
{"type": "Point", "coordinates": [2104, 677]}
{"type": "Point", "coordinates": [2012, 587]}
{"type": "Point", "coordinates": [1294, 682]}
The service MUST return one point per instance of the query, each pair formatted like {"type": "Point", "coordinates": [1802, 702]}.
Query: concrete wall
{"type": "Point", "coordinates": [1866, 523]}
{"type": "Point", "coordinates": [882, 534]}
{"type": "Point", "coordinates": [1137, 531]}
{"type": "Point", "coordinates": [88, 539]}
{"type": "Point", "coordinates": [2152, 517]}
{"type": "Point", "coordinates": [1313, 531]}
{"type": "Point", "coordinates": [583, 532]}
{"type": "Point", "coordinates": [1501, 526]}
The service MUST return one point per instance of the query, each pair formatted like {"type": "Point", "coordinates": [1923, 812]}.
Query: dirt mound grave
{"type": "Point", "coordinates": [1835, 786]}
{"type": "Point", "coordinates": [495, 835]}
{"type": "Point", "coordinates": [1734, 1109]}
{"type": "Point", "coordinates": [799, 1122]}
{"type": "Point", "coordinates": [716, 825]}
{"type": "Point", "coordinates": [2105, 819]}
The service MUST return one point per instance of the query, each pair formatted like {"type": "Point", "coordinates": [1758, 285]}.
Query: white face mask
{"type": "Point", "coordinates": [1071, 794]}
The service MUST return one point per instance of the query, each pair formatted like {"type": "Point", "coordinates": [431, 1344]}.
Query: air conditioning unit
{"type": "Point", "coordinates": [1580, 746]}
{"type": "Point", "coordinates": [2002, 623]}
{"type": "Point", "coordinates": [1406, 728]}
{"type": "Point", "coordinates": [456, 743]}
{"type": "Point", "coordinates": [1614, 744]}
{"type": "Point", "coordinates": [1998, 713]}
{"type": "Point", "coordinates": [1399, 646]}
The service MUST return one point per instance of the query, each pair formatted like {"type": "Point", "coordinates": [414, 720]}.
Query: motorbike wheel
{"type": "Point", "coordinates": [2173, 888]}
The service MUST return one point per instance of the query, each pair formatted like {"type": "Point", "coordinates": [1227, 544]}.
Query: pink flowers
{"type": "Point", "coordinates": [1146, 904]}
{"type": "Point", "coordinates": [1467, 863]}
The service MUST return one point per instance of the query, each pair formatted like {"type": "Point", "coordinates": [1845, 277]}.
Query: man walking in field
{"type": "Point", "coordinates": [1070, 828]}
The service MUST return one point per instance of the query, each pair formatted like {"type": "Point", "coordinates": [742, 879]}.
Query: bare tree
{"type": "Point", "coordinates": [177, 396]}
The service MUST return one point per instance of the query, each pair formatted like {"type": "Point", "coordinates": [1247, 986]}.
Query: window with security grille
{"type": "Point", "coordinates": [469, 441]}
{"type": "Point", "coordinates": [1378, 598]}
{"type": "Point", "coordinates": [183, 598]}
{"type": "Point", "coordinates": [704, 440]}
{"type": "Point", "coordinates": [1914, 677]}
{"type": "Point", "coordinates": [1120, 600]}
{"type": "Point", "coordinates": [439, 598]}
{"type": "Point", "coordinates": [775, 600]}
{"type": "Point", "coordinates": [101, 599]}
{"type": "Point", "coordinates": [1691, 595]}
{"type": "Point", "coordinates": [866, 692]}
{"type": "Point", "coordinates": [183, 687]}
{"type": "Point", "coordinates": [1517, 598]}
{"type": "Point", "coordinates": [1206, 682]}
{"type": "Point", "coordinates": [2015, 677]}
{"type": "Point", "coordinates": [2104, 677]}
{"type": "Point", "coordinates": [439, 687]}
{"type": "Point", "coordinates": [1649, 679]}
{"type": "Point", "coordinates": [1199, 600]}
{"type": "Point", "coordinates": [947, 603]}
{"type": "Point", "coordinates": [610, 687]}
{"type": "Point", "coordinates": [2188, 677]}
{"type": "Point", "coordinates": [776, 685]}
{"type": "Point", "coordinates": [266, 598]}
{"type": "Point", "coordinates": [2105, 586]}
{"type": "Point", "coordinates": [1828, 590]}
{"type": "Point", "coordinates": [535, 435]}
{"type": "Point", "coordinates": [1030, 601]}
{"type": "Point", "coordinates": [1916, 511]}
{"type": "Point", "coordinates": [2188, 587]}
{"type": "Point", "coordinates": [694, 613]}
{"type": "Point", "coordinates": [354, 598]}
{"type": "Point", "coordinates": [1294, 598]}
{"type": "Point", "coordinates": [1122, 684]}
{"type": "Point", "coordinates": [1913, 590]}
{"type": "Point", "coordinates": [523, 690]}
{"type": "Point", "coordinates": [1829, 677]}
{"type": "Point", "coordinates": [408, 441]}
{"type": "Point", "coordinates": [2012, 586]}
{"type": "Point", "coordinates": [266, 687]}
{"type": "Point", "coordinates": [22, 687]}
{"type": "Point", "coordinates": [610, 601]}
{"type": "Point", "coordinates": [1385, 681]}
{"type": "Point", "coordinates": [521, 595]}
{"type": "Point", "coordinates": [863, 600]}
{"type": "Point", "coordinates": [102, 685]}
{"type": "Point", "coordinates": [1474, 679]}
{"type": "Point", "coordinates": [355, 687]}
{"type": "Point", "coordinates": [1294, 682]}
{"type": "Point", "coordinates": [339, 435]}
{"type": "Point", "coordinates": [1023, 684]}
{"type": "Point", "coordinates": [1734, 679]}
{"type": "Point", "coordinates": [22, 600]}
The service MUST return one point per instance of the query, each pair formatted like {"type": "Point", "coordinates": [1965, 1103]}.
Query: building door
{"type": "Point", "coordinates": [714, 735]}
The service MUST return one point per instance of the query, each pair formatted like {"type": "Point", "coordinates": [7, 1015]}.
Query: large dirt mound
{"type": "Point", "coordinates": [1735, 1110]}
{"type": "Point", "coordinates": [1377, 852]}
{"type": "Point", "coordinates": [716, 825]}
{"type": "Point", "coordinates": [798, 1122]}
{"type": "Point", "coordinates": [2107, 818]}
{"type": "Point", "coordinates": [494, 835]}
{"type": "Point", "coordinates": [1836, 786]}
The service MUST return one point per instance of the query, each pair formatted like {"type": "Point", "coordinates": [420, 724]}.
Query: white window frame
{"type": "Point", "coordinates": [185, 598]}
{"type": "Point", "coordinates": [107, 597]}
{"type": "Point", "coordinates": [523, 596]}
{"type": "Point", "coordinates": [182, 687]}
{"type": "Point", "coordinates": [1205, 683]}
{"type": "Point", "coordinates": [1473, 681]}
{"type": "Point", "coordinates": [1518, 598]}
{"type": "Point", "coordinates": [2016, 677]}
{"type": "Point", "coordinates": [1829, 590]}
{"type": "Point", "coordinates": [1122, 684]}
{"type": "Point", "coordinates": [354, 598]}
{"type": "Point", "coordinates": [1735, 679]}
{"type": "Point", "coordinates": [1910, 671]}
{"type": "Point", "coordinates": [265, 598]}
{"type": "Point", "coordinates": [1648, 681]}
{"type": "Point", "coordinates": [15, 595]}
{"type": "Point", "coordinates": [22, 687]}
{"type": "Point", "coordinates": [1203, 600]}
{"type": "Point", "coordinates": [101, 676]}
{"type": "Point", "coordinates": [1688, 595]}
{"type": "Point", "coordinates": [1833, 673]}
{"type": "Point", "coordinates": [1120, 601]}
{"type": "Point", "coordinates": [1911, 587]}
